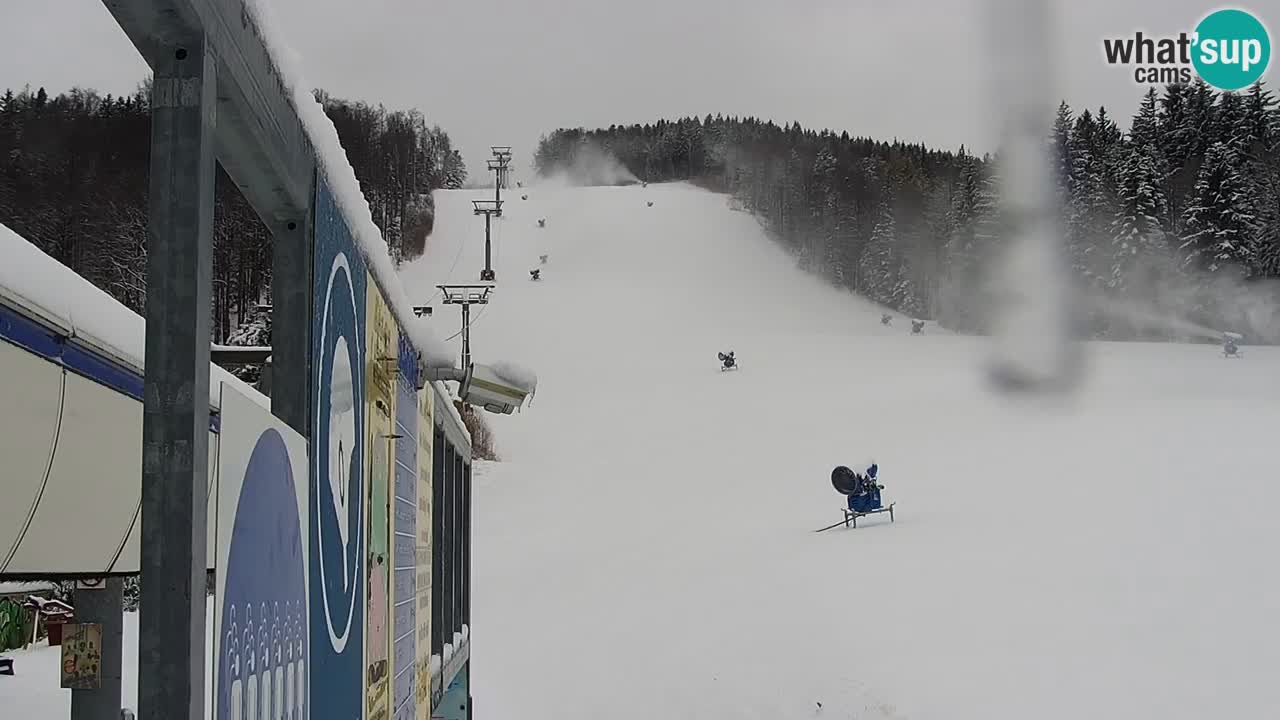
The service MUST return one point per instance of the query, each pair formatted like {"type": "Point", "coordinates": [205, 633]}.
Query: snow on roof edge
{"type": "Point", "coordinates": [41, 284]}
{"type": "Point", "coordinates": [332, 160]}
{"type": "Point", "coordinates": [518, 375]}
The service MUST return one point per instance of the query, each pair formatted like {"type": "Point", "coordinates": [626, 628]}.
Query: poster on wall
{"type": "Point", "coordinates": [422, 686]}
{"type": "Point", "coordinates": [336, 508]}
{"type": "Point", "coordinates": [82, 656]}
{"type": "Point", "coordinates": [404, 539]}
{"type": "Point", "coordinates": [380, 367]}
{"type": "Point", "coordinates": [260, 636]}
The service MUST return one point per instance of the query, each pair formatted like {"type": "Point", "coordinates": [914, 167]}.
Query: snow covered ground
{"type": "Point", "coordinates": [646, 549]}
{"type": "Point", "coordinates": [33, 693]}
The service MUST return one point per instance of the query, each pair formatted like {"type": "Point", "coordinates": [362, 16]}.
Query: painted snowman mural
{"type": "Point", "coordinates": [261, 644]}
{"type": "Point", "coordinates": [342, 449]}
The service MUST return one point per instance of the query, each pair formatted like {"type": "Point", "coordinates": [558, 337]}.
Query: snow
{"type": "Point", "coordinates": [50, 289]}
{"type": "Point", "coordinates": [517, 375]}
{"type": "Point", "coordinates": [57, 293]}
{"type": "Point", "coordinates": [20, 588]}
{"type": "Point", "coordinates": [337, 169]}
{"type": "Point", "coordinates": [33, 691]}
{"type": "Point", "coordinates": [649, 534]}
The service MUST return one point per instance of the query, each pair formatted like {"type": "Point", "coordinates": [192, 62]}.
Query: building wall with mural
{"type": "Point", "coordinates": [426, 429]}
{"type": "Point", "coordinates": [260, 633]}
{"type": "Point", "coordinates": [337, 588]}
{"type": "Point", "coordinates": [404, 524]}
{"type": "Point", "coordinates": [381, 364]}
{"type": "Point", "coordinates": [371, 515]}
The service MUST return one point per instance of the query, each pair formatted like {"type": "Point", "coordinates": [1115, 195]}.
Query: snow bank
{"type": "Point", "coordinates": [45, 286]}
{"type": "Point", "coordinates": [333, 162]}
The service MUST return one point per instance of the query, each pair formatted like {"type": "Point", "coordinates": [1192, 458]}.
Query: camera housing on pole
{"type": "Point", "coordinates": [479, 385]}
{"type": "Point", "coordinates": [488, 208]}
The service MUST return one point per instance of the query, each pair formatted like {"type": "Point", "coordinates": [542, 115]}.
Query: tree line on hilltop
{"type": "Point", "coordinates": [73, 181]}
{"type": "Point", "coordinates": [1179, 216]}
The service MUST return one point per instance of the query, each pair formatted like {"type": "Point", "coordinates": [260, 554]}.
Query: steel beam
{"type": "Point", "coordinates": [175, 420]}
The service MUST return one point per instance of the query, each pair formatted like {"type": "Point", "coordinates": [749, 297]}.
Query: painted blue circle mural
{"type": "Point", "coordinates": [337, 452]}
{"type": "Point", "coordinates": [262, 659]}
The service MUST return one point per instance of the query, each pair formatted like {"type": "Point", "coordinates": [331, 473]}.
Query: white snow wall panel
{"type": "Point", "coordinates": [30, 405]}
{"type": "Point", "coordinates": [76, 514]}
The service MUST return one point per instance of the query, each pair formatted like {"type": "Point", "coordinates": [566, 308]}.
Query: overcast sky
{"type": "Point", "coordinates": [506, 71]}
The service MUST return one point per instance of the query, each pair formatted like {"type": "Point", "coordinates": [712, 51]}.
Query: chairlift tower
{"type": "Point", "coordinates": [466, 296]}
{"type": "Point", "coordinates": [502, 154]}
{"type": "Point", "coordinates": [497, 168]}
{"type": "Point", "coordinates": [488, 208]}
{"type": "Point", "coordinates": [499, 165]}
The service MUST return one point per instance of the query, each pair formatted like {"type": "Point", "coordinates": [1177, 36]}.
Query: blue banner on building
{"type": "Point", "coordinates": [337, 575]}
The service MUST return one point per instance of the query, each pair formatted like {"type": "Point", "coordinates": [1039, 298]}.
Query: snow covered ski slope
{"type": "Point", "coordinates": [646, 547]}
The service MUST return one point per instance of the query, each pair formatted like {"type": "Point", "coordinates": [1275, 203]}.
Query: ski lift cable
{"type": "Point", "coordinates": [449, 275]}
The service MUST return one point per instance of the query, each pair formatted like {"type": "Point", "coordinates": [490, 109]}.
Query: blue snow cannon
{"type": "Point", "coordinates": [862, 493]}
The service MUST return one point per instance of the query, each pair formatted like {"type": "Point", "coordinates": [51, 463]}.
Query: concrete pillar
{"type": "Point", "coordinates": [175, 426]}
{"type": "Point", "coordinates": [105, 606]}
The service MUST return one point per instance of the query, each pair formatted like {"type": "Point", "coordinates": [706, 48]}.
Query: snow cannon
{"type": "Point", "coordinates": [535, 274]}
{"type": "Point", "coordinates": [917, 326]}
{"type": "Point", "coordinates": [542, 222]}
{"type": "Point", "coordinates": [644, 184]}
{"type": "Point", "coordinates": [728, 361]}
{"type": "Point", "coordinates": [844, 480]}
{"type": "Point", "coordinates": [862, 495]}
{"type": "Point", "coordinates": [519, 184]}
{"type": "Point", "coordinates": [524, 197]}
{"type": "Point", "coordinates": [650, 203]}
{"type": "Point", "coordinates": [886, 319]}
{"type": "Point", "coordinates": [483, 387]}
{"type": "Point", "coordinates": [1231, 344]}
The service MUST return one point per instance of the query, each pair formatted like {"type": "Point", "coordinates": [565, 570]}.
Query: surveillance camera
{"type": "Point", "coordinates": [486, 389]}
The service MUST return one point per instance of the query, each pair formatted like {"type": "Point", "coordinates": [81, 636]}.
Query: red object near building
{"type": "Point", "coordinates": [54, 613]}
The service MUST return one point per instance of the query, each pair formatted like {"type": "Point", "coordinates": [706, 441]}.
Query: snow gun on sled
{"type": "Point", "coordinates": [1231, 344]}
{"type": "Point", "coordinates": [862, 492]}
{"type": "Point", "coordinates": [727, 361]}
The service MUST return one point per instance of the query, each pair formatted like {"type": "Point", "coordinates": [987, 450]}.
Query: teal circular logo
{"type": "Point", "coordinates": [1232, 49]}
